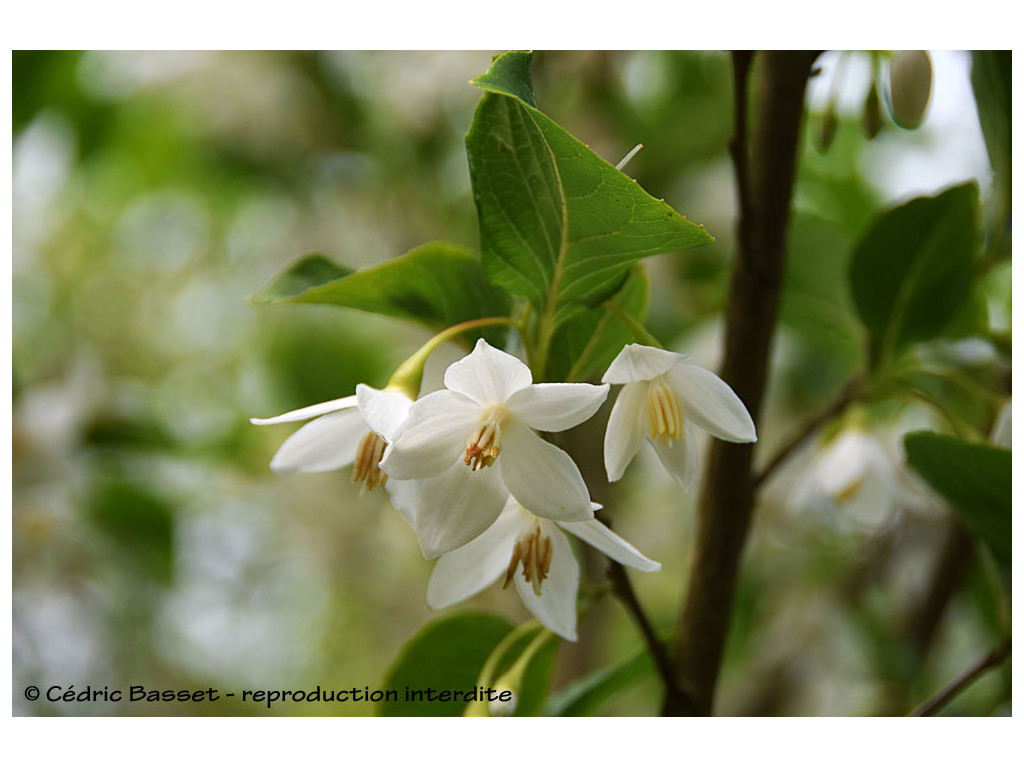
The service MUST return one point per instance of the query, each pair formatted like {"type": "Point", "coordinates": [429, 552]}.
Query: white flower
{"type": "Point", "coordinates": [341, 434]}
{"type": "Point", "coordinates": [479, 434]}
{"type": "Point", "coordinates": [663, 398]}
{"type": "Point", "coordinates": [858, 478]}
{"type": "Point", "coordinates": [533, 553]}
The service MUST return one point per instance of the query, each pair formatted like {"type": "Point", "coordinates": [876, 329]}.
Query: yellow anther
{"type": "Point", "coordinates": [665, 417]}
{"type": "Point", "coordinates": [366, 469]}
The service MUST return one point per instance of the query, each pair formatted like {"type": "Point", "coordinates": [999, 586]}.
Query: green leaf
{"type": "Point", "coordinates": [991, 77]}
{"type": "Point", "coordinates": [587, 696]}
{"type": "Point", "coordinates": [585, 345]}
{"type": "Point", "coordinates": [437, 285]}
{"type": "Point", "coordinates": [448, 655]}
{"type": "Point", "coordinates": [912, 270]}
{"type": "Point", "coordinates": [975, 478]}
{"type": "Point", "coordinates": [558, 224]}
{"type": "Point", "coordinates": [509, 74]}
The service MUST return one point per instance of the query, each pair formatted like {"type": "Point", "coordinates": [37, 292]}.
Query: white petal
{"type": "Point", "coordinates": [457, 506]}
{"type": "Point", "coordinates": [432, 436]}
{"type": "Point", "coordinates": [639, 363]}
{"type": "Point", "coordinates": [405, 498]}
{"type": "Point", "coordinates": [384, 410]}
{"type": "Point", "coordinates": [680, 458]}
{"type": "Point", "coordinates": [487, 375]}
{"type": "Point", "coordinates": [626, 428]}
{"type": "Point", "coordinates": [309, 411]}
{"type": "Point", "coordinates": [556, 605]}
{"type": "Point", "coordinates": [465, 571]}
{"type": "Point", "coordinates": [554, 407]}
{"type": "Point", "coordinates": [599, 536]}
{"type": "Point", "coordinates": [711, 404]}
{"type": "Point", "coordinates": [542, 477]}
{"type": "Point", "coordinates": [327, 443]}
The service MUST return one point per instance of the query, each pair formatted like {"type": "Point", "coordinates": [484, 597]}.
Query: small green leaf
{"type": "Point", "coordinates": [448, 655]}
{"type": "Point", "coordinates": [587, 696]}
{"type": "Point", "coordinates": [912, 270]}
{"type": "Point", "coordinates": [437, 285]}
{"type": "Point", "coordinates": [558, 224]}
{"type": "Point", "coordinates": [308, 272]}
{"type": "Point", "coordinates": [509, 74]}
{"type": "Point", "coordinates": [585, 345]}
{"type": "Point", "coordinates": [975, 478]}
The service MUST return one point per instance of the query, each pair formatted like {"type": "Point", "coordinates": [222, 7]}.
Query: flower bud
{"type": "Point", "coordinates": [871, 117]}
{"type": "Point", "coordinates": [501, 708]}
{"type": "Point", "coordinates": [910, 87]}
{"type": "Point", "coordinates": [826, 132]}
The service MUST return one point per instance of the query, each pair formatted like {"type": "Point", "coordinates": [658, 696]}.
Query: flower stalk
{"type": "Point", "coordinates": [408, 377]}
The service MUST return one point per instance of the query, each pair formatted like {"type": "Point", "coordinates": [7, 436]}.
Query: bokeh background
{"type": "Point", "coordinates": [154, 192]}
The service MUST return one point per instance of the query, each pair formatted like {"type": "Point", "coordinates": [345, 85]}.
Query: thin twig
{"type": "Point", "coordinates": [994, 659]}
{"type": "Point", "coordinates": [623, 589]}
{"type": "Point", "coordinates": [846, 395]}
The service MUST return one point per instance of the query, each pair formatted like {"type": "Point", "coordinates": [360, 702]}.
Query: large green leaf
{"type": "Point", "coordinates": [437, 285]}
{"type": "Point", "coordinates": [558, 224]}
{"type": "Point", "coordinates": [975, 478]}
{"type": "Point", "coordinates": [912, 270]}
{"type": "Point", "coordinates": [585, 345]}
{"type": "Point", "coordinates": [448, 655]}
{"type": "Point", "coordinates": [587, 696]}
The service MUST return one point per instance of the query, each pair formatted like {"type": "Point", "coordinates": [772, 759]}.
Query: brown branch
{"type": "Point", "coordinates": [846, 395]}
{"type": "Point", "coordinates": [765, 175]}
{"type": "Point", "coordinates": [994, 659]}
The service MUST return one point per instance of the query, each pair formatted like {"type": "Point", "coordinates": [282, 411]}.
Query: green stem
{"type": "Point", "coordinates": [479, 708]}
{"type": "Point", "coordinates": [409, 375]}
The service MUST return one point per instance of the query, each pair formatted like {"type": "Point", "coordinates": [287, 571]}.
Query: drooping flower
{"type": "Point", "coordinates": [480, 431]}
{"type": "Point", "coordinates": [859, 479]}
{"type": "Point", "coordinates": [664, 397]}
{"type": "Point", "coordinates": [533, 553]}
{"type": "Point", "coordinates": [340, 434]}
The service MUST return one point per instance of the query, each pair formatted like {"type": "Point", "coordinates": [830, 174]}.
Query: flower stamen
{"type": "Point", "coordinates": [664, 415]}
{"type": "Point", "coordinates": [366, 468]}
{"type": "Point", "coordinates": [534, 551]}
{"type": "Point", "coordinates": [484, 444]}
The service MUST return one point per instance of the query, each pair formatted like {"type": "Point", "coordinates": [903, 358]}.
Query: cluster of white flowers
{"type": "Point", "coordinates": [484, 492]}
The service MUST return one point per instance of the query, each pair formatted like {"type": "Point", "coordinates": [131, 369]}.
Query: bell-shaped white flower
{"type": "Point", "coordinates": [859, 479]}
{"type": "Point", "coordinates": [340, 434]}
{"type": "Point", "coordinates": [664, 397]}
{"type": "Point", "coordinates": [533, 553]}
{"type": "Point", "coordinates": [479, 433]}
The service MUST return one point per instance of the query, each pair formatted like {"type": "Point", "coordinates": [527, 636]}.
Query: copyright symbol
{"type": "Point", "coordinates": [31, 693]}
